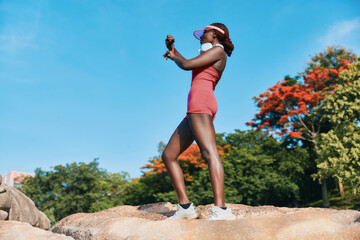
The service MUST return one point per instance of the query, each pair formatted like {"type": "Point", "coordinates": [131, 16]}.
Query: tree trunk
{"type": "Point", "coordinates": [341, 189]}
{"type": "Point", "coordinates": [325, 203]}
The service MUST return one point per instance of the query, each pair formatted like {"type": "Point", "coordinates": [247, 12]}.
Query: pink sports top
{"type": "Point", "coordinates": [201, 98]}
{"type": "Point", "coordinates": [207, 73]}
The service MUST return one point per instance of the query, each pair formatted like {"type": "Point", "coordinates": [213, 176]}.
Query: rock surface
{"type": "Point", "coordinates": [14, 230]}
{"type": "Point", "coordinates": [265, 223]}
{"type": "Point", "coordinates": [14, 205]}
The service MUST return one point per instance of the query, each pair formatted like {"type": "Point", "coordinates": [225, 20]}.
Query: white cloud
{"type": "Point", "coordinates": [19, 30]}
{"type": "Point", "coordinates": [15, 41]}
{"type": "Point", "coordinates": [343, 33]}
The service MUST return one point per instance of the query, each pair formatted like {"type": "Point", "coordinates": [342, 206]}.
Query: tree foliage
{"type": "Point", "coordinates": [330, 58]}
{"type": "Point", "coordinates": [285, 107]}
{"type": "Point", "coordinates": [74, 188]}
{"type": "Point", "coordinates": [340, 147]}
{"type": "Point", "coordinates": [261, 170]}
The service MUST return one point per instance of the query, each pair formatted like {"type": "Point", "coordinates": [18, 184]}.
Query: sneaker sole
{"type": "Point", "coordinates": [192, 216]}
{"type": "Point", "coordinates": [230, 218]}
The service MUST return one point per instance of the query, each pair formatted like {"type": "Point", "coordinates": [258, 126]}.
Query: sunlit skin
{"type": "Point", "coordinates": [198, 126]}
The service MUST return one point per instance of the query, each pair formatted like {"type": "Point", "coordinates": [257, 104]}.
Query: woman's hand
{"type": "Point", "coordinates": [169, 42]}
{"type": "Point", "coordinates": [169, 54]}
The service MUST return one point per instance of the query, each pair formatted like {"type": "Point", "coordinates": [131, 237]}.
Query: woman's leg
{"type": "Point", "coordinates": [181, 139]}
{"type": "Point", "coordinates": [203, 130]}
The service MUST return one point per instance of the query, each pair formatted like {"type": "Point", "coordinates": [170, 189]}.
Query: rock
{"type": "Point", "coordinates": [156, 207]}
{"type": "Point", "coordinates": [14, 230]}
{"type": "Point", "coordinates": [14, 205]}
{"type": "Point", "coordinates": [3, 215]}
{"type": "Point", "coordinates": [265, 223]}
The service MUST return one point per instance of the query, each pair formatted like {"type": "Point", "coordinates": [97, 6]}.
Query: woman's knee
{"type": "Point", "coordinates": [166, 156]}
{"type": "Point", "coordinates": [209, 154]}
{"type": "Point", "coordinates": [205, 154]}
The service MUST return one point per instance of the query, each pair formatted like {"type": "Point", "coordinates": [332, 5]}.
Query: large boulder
{"type": "Point", "coordinates": [14, 230]}
{"type": "Point", "coordinates": [14, 205]}
{"type": "Point", "coordinates": [265, 222]}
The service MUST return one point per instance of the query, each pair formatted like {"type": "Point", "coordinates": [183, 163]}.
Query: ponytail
{"type": "Point", "coordinates": [224, 39]}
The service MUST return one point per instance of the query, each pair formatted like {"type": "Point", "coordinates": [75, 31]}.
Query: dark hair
{"type": "Point", "coordinates": [224, 39]}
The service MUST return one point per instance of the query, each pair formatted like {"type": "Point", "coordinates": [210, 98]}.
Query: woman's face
{"type": "Point", "coordinates": [207, 36]}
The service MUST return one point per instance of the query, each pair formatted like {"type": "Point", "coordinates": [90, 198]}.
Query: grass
{"type": "Point", "coordinates": [350, 201]}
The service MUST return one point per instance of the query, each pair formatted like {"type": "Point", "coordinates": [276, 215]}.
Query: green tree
{"type": "Point", "coordinates": [261, 170]}
{"type": "Point", "coordinates": [73, 188]}
{"type": "Point", "coordinates": [340, 147]}
{"type": "Point", "coordinates": [330, 58]}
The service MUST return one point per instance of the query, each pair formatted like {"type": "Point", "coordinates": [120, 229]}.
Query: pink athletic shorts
{"type": "Point", "coordinates": [201, 98]}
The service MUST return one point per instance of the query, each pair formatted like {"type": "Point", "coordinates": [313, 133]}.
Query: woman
{"type": "Point", "coordinates": [198, 124]}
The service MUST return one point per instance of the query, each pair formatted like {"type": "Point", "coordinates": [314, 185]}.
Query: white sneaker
{"type": "Point", "coordinates": [220, 214]}
{"type": "Point", "coordinates": [182, 213]}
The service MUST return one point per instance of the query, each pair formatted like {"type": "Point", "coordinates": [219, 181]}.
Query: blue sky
{"type": "Point", "coordinates": [86, 79]}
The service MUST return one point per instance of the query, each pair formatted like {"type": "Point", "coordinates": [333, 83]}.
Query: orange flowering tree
{"type": "Point", "coordinates": [285, 109]}
{"type": "Point", "coordinates": [190, 161]}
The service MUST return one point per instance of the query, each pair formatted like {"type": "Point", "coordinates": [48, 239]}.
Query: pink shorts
{"type": "Point", "coordinates": [201, 98]}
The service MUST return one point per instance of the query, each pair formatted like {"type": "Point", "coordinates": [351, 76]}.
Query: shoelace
{"type": "Point", "coordinates": [176, 212]}
{"type": "Point", "coordinates": [214, 214]}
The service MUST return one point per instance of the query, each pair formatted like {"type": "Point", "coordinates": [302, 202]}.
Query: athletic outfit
{"type": "Point", "coordinates": [201, 98]}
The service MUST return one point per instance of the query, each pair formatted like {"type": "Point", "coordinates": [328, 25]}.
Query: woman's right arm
{"type": "Point", "coordinates": [177, 53]}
